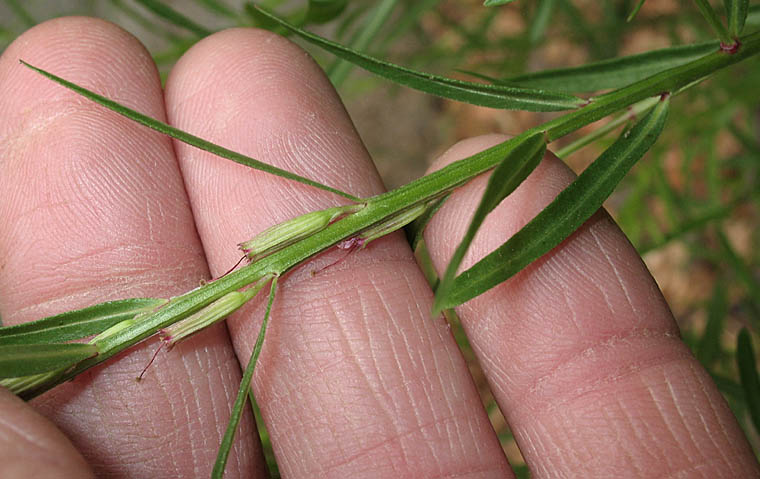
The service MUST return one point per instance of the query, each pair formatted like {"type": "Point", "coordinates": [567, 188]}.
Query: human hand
{"type": "Point", "coordinates": [355, 379]}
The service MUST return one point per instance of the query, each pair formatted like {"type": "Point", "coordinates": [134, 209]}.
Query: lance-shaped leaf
{"type": "Point", "coordinates": [186, 137]}
{"type": "Point", "coordinates": [614, 73]}
{"type": "Point", "coordinates": [506, 177]}
{"type": "Point", "coordinates": [569, 210]}
{"type": "Point", "coordinates": [493, 96]}
{"type": "Point", "coordinates": [493, 3]}
{"type": "Point", "coordinates": [18, 360]}
{"type": "Point", "coordinates": [736, 10]}
{"type": "Point", "coordinates": [76, 324]}
{"type": "Point", "coordinates": [747, 363]}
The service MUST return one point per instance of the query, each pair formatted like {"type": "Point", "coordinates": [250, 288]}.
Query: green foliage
{"type": "Point", "coordinates": [17, 360]}
{"type": "Point", "coordinates": [614, 73]}
{"type": "Point", "coordinates": [77, 324]}
{"type": "Point", "coordinates": [186, 137]}
{"type": "Point", "coordinates": [518, 163]}
{"type": "Point", "coordinates": [693, 203]}
{"type": "Point", "coordinates": [569, 210]}
{"type": "Point", "coordinates": [737, 15]}
{"type": "Point", "coordinates": [493, 96]}
{"type": "Point", "coordinates": [712, 18]}
{"type": "Point", "coordinates": [245, 387]}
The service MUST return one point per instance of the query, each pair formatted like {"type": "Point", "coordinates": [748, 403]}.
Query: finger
{"type": "Point", "coordinates": [30, 446]}
{"type": "Point", "coordinates": [92, 208]}
{"type": "Point", "coordinates": [581, 351]}
{"type": "Point", "coordinates": [355, 379]}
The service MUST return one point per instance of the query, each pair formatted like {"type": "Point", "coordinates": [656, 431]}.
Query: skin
{"type": "Point", "coordinates": [355, 379]}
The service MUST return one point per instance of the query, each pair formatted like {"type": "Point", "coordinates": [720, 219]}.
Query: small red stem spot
{"type": "Point", "coordinates": [730, 48]}
{"type": "Point", "coordinates": [347, 245]}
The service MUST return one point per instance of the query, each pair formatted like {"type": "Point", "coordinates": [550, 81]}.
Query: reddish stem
{"type": "Point", "coordinates": [161, 345]}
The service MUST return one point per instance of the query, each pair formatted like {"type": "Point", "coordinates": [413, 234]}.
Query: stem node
{"type": "Point", "coordinates": [731, 48]}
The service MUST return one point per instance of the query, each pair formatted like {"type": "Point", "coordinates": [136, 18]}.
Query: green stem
{"type": "Point", "coordinates": [380, 208]}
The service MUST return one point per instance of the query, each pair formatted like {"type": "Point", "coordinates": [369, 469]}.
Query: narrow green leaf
{"type": "Point", "coordinates": [322, 11]}
{"type": "Point", "coordinates": [635, 11]}
{"type": "Point", "coordinates": [506, 177]}
{"type": "Point", "coordinates": [76, 324]}
{"type": "Point", "coordinates": [18, 360]}
{"type": "Point", "coordinates": [569, 210]}
{"type": "Point", "coordinates": [493, 96]}
{"type": "Point", "coordinates": [493, 3]}
{"type": "Point", "coordinates": [169, 14]}
{"type": "Point", "coordinates": [747, 363]}
{"type": "Point", "coordinates": [245, 386]}
{"type": "Point", "coordinates": [614, 73]}
{"type": "Point", "coordinates": [185, 137]}
{"type": "Point", "coordinates": [736, 10]}
{"type": "Point", "coordinates": [712, 18]}
{"type": "Point", "coordinates": [708, 348]}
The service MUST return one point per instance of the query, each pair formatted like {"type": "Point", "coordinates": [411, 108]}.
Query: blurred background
{"type": "Point", "coordinates": [691, 207]}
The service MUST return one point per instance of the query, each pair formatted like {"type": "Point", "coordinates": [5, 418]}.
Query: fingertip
{"type": "Point", "coordinates": [32, 447]}
{"type": "Point", "coordinates": [257, 93]}
{"type": "Point", "coordinates": [73, 47]}
{"type": "Point", "coordinates": [263, 96]}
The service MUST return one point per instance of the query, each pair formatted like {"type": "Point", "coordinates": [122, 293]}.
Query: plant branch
{"type": "Point", "coordinates": [381, 208]}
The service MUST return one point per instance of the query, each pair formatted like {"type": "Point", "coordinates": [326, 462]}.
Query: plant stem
{"type": "Point", "coordinates": [380, 208]}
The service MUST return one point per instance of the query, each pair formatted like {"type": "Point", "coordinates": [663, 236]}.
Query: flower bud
{"type": "Point", "coordinates": [214, 312]}
{"type": "Point", "coordinates": [286, 233]}
{"type": "Point", "coordinates": [394, 223]}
